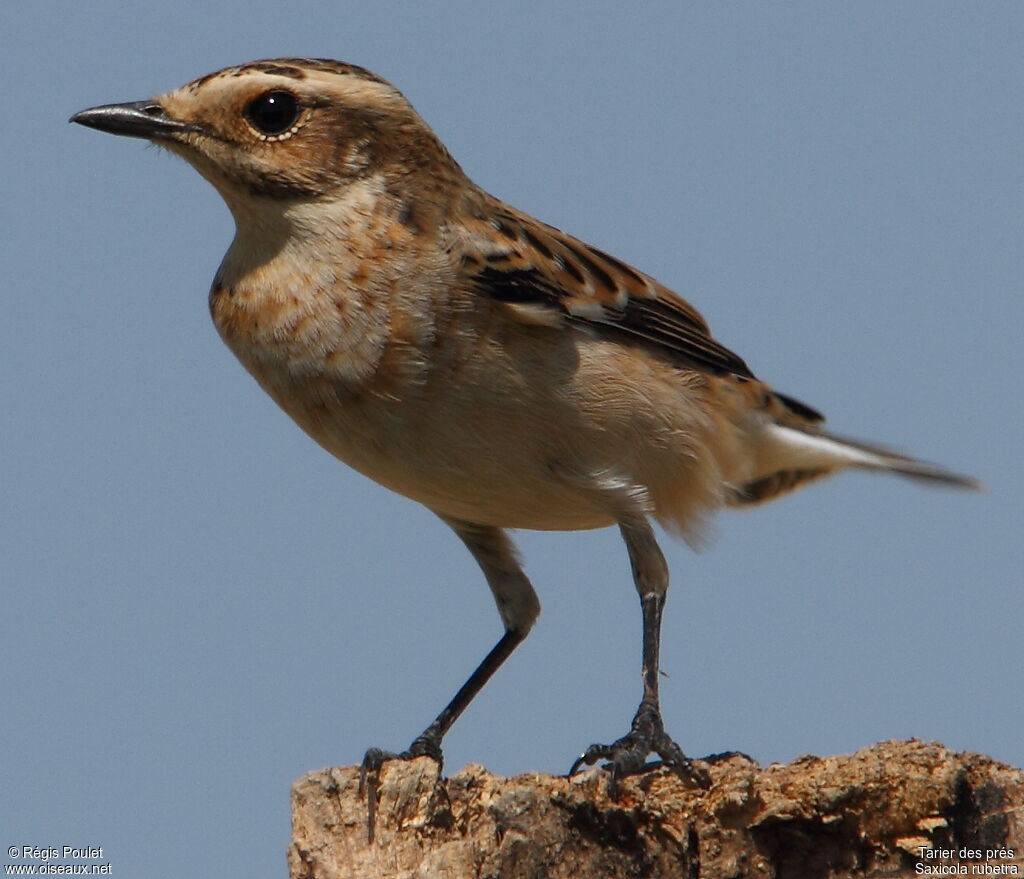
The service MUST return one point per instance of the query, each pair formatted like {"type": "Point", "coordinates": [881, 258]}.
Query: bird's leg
{"type": "Point", "coordinates": [647, 732]}
{"type": "Point", "coordinates": [518, 606]}
{"type": "Point", "coordinates": [428, 743]}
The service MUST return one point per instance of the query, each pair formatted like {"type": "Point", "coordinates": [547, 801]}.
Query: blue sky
{"type": "Point", "coordinates": [200, 605]}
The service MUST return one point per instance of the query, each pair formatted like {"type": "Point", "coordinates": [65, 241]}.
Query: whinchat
{"type": "Point", "coordinates": [472, 358]}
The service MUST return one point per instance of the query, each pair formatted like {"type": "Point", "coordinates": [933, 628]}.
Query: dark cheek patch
{"type": "Point", "coordinates": [307, 165]}
{"type": "Point", "coordinates": [407, 217]}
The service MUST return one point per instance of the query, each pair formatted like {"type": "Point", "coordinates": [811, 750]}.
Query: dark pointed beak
{"type": "Point", "coordinates": [137, 119]}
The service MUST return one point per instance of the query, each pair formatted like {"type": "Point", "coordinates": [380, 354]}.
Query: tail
{"type": "Point", "coordinates": [793, 454]}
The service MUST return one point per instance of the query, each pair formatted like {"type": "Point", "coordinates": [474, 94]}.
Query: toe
{"type": "Point", "coordinates": [628, 755]}
{"type": "Point", "coordinates": [424, 746]}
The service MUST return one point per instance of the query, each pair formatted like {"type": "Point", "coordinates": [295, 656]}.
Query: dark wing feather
{"type": "Point", "coordinates": [529, 263]}
{"type": "Point", "coordinates": [657, 321]}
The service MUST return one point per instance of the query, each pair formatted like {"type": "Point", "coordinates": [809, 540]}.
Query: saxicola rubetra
{"type": "Point", "coordinates": [470, 357]}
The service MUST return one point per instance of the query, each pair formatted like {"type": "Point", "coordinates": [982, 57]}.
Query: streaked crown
{"type": "Point", "coordinates": [286, 128]}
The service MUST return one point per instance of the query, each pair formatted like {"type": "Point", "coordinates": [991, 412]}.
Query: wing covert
{"type": "Point", "coordinates": [515, 259]}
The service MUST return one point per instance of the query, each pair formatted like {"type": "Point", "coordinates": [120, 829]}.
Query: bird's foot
{"type": "Point", "coordinates": [425, 745]}
{"type": "Point", "coordinates": [628, 755]}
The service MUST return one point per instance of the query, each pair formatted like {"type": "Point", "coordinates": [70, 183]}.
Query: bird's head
{"type": "Point", "coordinates": [284, 129]}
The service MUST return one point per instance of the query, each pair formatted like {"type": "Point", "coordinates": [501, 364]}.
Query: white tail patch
{"type": "Point", "coordinates": [788, 448]}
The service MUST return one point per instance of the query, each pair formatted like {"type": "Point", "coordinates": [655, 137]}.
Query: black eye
{"type": "Point", "coordinates": [273, 112]}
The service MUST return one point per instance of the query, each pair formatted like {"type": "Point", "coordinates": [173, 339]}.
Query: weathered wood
{"type": "Point", "coordinates": [887, 810]}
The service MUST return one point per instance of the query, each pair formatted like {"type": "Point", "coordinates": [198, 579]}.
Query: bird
{"type": "Point", "coordinates": [460, 352]}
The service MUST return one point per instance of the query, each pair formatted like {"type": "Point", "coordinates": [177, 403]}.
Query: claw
{"type": "Point", "coordinates": [375, 758]}
{"type": "Point", "coordinates": [628, 755]}
{"type": "Point", "coordinates": [578, 762]}
{"type": "Point", "coordinates": [369, 783]}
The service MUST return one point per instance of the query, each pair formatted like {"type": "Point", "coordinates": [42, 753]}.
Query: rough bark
{"type": "Point", "coordinates": [893, 809]}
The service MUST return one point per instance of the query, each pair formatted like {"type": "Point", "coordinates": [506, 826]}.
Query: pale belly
{"type": "Point", "coordinates": [541, 432]}
{"type": "Point", "coordinates": [494, 471]}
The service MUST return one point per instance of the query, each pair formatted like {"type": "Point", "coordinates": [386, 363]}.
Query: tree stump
{"type": "Point", "coordinates": [892, 809]}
